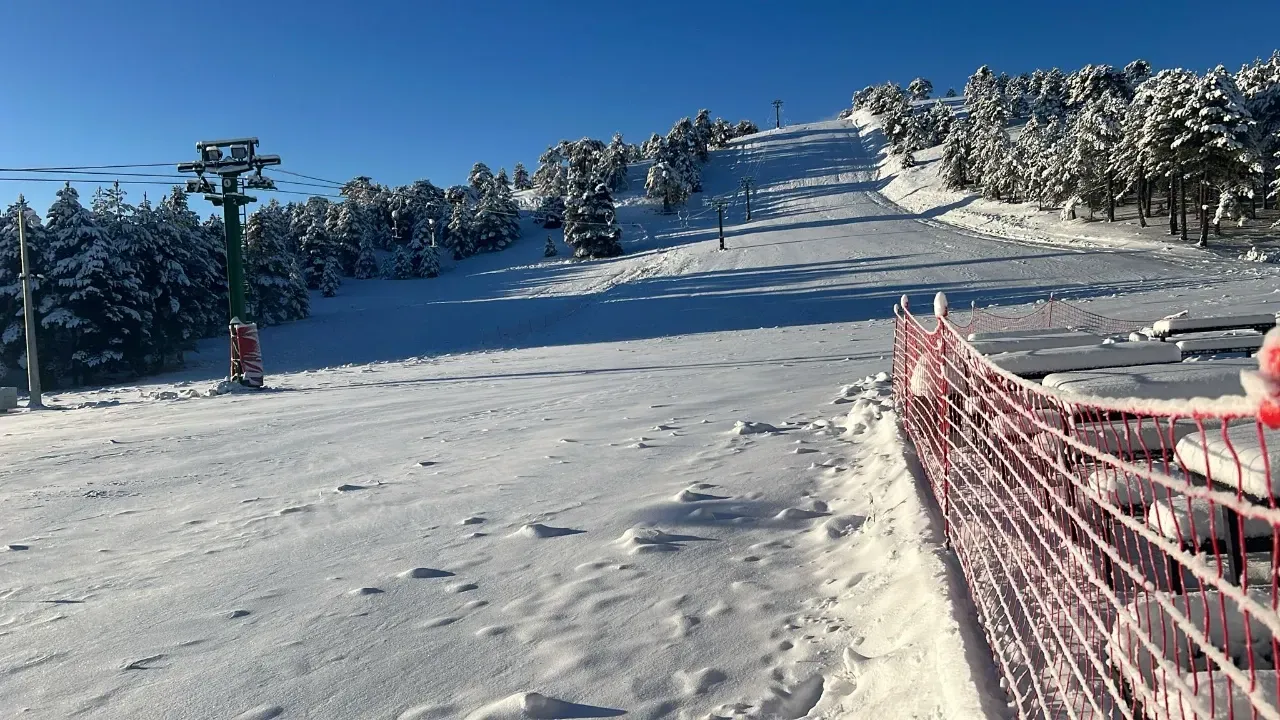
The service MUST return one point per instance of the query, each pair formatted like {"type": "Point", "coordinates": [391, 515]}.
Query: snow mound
{"type": "Point", "coordinates": [533, 706]}
{"type": "Point", "coordinates": [540, 531]}
{"type": "Point", "coordinates": [746, 427]}
{"type": "Point", "coordinates": [689, 496]}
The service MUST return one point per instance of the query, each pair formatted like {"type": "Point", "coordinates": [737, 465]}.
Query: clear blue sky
{"type": "Point", "coordinates": [422, 89]}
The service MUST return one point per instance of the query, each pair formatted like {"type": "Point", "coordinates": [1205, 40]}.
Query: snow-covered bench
{"type": "Point", "coordinates": [8, 398]}
{"type": "Point", "coordinates": [1242, 464]}
{"type": "Point", "coordinates": [1261, 322]}
{"type": "Point", "coordinates": [1043, 341]}
{"type": "Point", "coordinates": [1169, 381]}
{"type": "Point", "coordinates": [1214, 621]}
{"type": "Point", "coordinates": [1038, 363]}
{"type": "Point", "coordinates": [1229, 343]}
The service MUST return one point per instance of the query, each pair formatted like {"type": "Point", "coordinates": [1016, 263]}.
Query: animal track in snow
{"type": "Point", "coordinates": [698, 682]}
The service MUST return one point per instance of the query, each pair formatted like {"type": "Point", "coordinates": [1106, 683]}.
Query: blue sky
{"type": "Point", "coordinates": [422, 89]}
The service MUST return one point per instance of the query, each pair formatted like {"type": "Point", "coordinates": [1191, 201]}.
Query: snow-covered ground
{"type": "Point", "coordinates": [529, 476]}
{"type": "Point", "coordinates": [919, 190]}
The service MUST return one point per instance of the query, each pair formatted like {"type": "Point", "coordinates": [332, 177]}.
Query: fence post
{"type": "Point", "coordinates": [940, 311]}
{"type": "Point", "coordinates": [1051, 303]}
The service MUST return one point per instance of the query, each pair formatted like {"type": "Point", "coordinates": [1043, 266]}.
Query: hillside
{"type": "Point", "coordinates": [668, 484]}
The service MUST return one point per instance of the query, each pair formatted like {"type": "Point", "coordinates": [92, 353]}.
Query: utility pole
{"type": "Point", "coordinates": [719, 204]}
{"type": "Point", "coordinates": [243, 159]}
{"type": "Point", "coordinates": [746, 184]}
{"type": "Point", "coordinates": [777, 114]}
{"type": "Point", "coordinates": [28, 312]}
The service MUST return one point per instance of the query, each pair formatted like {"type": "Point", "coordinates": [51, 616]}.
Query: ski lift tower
{"type": "Point", "coordinates": [241, 157]}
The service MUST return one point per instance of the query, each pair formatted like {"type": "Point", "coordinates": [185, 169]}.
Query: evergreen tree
{"type": "Point", "coordinates": [613, 165]}
{"type": "Point", "coordinates": [1093, 82]}
{"type": "Point", "coordinates": [496, 222]}
{"type": "Point", "coordinates": [114, 214]}
{"type": "Point", "coordinates": [649, 148]}
{"type": "Point", "coordinates": [1049, 94]}
{"type": "Point", "coordinates": [550, 249]}
{"type": "Point", "coordinates": [201, 301]}
{"type": "Point", "coordinates": [480, 177]}
{"type": "Point", "coordinates": [940, 120]}
{"type": "Point", "coordinates": [349, 231]}
{"type": "Point", "coordinates": [920, 89]}
{"type": "Point", "coordinates": [521, 178]}
{"type": "Point", "coordinates": [315, 247]}
{"type": "Point", "coordinates": [721, 133]}
{"type": "Point", "coordinates": [366, 265]}
{"type": "Point", "coordinates": [86, 310]}
{"type": "Point", "coordinates": [1098, 133]}
{"type": "Point", "coordinates": [549, 178]}
{"type": "Point", "coordinates": [1259, 84]}
{"type": "Point", "coordinates": [332, 277]}
{"type": "Point", "coordinates": [402, 264]}
{"type": "Point", "coordinates": [502, 179]}
{"type": "Point", "coordinates": [701, 135]}
{"type": "Point", "coordinates": [591, 226]}
{"type": "Point", "coordinates": [277, 292]}
{"type": "Point", "coordinates": [665, 182]}
{"type": "Point", "coordinates": [1136, 73]}
{"type": "Point", "coordinates": [13, 348]}
{"type": "Point", "coordinates": [956, 153]}
{"type": "Point", "coordinates": [951, 92]}
{"type": "Point", "coordinates": [550, 213]}
{"type": "Point", "coordinates": [584, 170]}
{"type": "Point", "coordinates": [461, 236]}
{"type": "Point", "coordinates": [425, 261]}
{"type": "Point", "coordinates": [1211, 140]}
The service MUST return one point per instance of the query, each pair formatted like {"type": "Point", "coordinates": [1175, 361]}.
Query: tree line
{"type": "Point", "coordinates": [125, 290]}
{"type": "Point", "coordinates": [1101, 137]}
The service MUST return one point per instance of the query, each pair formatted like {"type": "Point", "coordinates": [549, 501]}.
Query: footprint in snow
{"type": "Point", "coordinates": [366, 591]}
{"type": "Point", "coordinates": [262, 712]}
{"type": "Point", "coordinates": [473, 520]}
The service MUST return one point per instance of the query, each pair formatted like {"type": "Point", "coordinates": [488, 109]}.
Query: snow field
{"type": "Point", "coordinates": [535, 487]}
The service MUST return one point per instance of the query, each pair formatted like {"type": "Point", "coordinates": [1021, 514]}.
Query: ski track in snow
{"type": "Point", "coordinates": [644, 500]}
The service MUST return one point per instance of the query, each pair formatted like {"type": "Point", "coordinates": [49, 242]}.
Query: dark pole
{"type": "Point", "coordinates": [777, 114]}
{"type": "Point", "coordinates": [235, 266]}
{"type": "Point", "coordinates": [746, 187]}
{"type": "Point", "coordinates": [720, 217]}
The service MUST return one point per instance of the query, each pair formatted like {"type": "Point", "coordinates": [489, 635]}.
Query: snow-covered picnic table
{"type": "Point", "coordinates": [1038, 363]}
{"type": "Point", "coordinates": [1175, 326]}
{"type": "Point", "coordinates": [1164, 381]}
{"type": "Point", "coordinates": [1039, 341]}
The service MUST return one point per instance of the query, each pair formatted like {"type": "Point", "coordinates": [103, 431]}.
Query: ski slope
{"type": "Point", "coordinates": [665, 485]}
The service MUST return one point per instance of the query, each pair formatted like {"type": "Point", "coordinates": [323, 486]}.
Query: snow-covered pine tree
{"type": "Point", "coordinates": [583, 172]}
{"type": "Point", "coordinates": [1098, 133]}
{"type": "Point", "coordinates": [1136, 73]}
{"type": "Point", "coordinates": [277, 292]}
{"type": "Point", "coordinates": [591, 226]}
{"type": "Point", "coordinates": [745, 128]}
{"type": "Point", "coordinates": [920, 89]}
{"type": "Point", "coordinates": [86, 307]}
{"type": "Point", "coordinates": [1211, 140]}
{"type": "Point", "coordinates": [117, 218]}
{"type": "Point", "coordinates": [613, 164]}
{"type": "Point", "coordinates": [495, 224]}
{"type": "Point", "coordinates": [349, 231]}
{"type": "Point", "coordinates": [331, 279]}
{"type": "Point", "coordinates": [721, 133]}
{"type": "Point", "coordinates": [677, 152]}
{"type": "Point", "coordinates": [402, 264]}
{"type": "Point", "coordinates": [502, 178]}
{"type": "Point", "coordinates": [366, 265]}
{"type": "Point", "coordinates": [13, 348]}
{"type": "Point", "coordinates": [459, 235]}
{"type": "Point", "coordinates": [214, 232]}
{"type": "Point", "coordinates": [940, 120]}
{"type": "Point", "coordinates": [549, 178]}
{"type": "Point", "coordinates": [992, 163]}
{"type": "Point", "coordinates": [1030, 148]}
{"type": "Point", "coordinates": [1049, 99]}
{"type": "Point", "coordinates": [315, 247]}
{"type": "Point", "coordinates": [956, 152]}
{"type": "Point", "coordinates": [1058, 180]}
{"type": "Point", "coordinates": [1259, 84]}
{"type": "Point", "coordinates": [701, 136]}
{"type": "Point", "coordinates": [883, 97]}
{"type": "Point", "coordinates": [479, 177]}
{"type": "Point", "coordinates": [520, 177]}
{"type": "Point", "coordinates": [425, 261]}
{"type": "Point", "coordinates": [550, 249]}
{"type": "Point", "coordinates": [204, 263]}
{"type": "Point", "coordinates": [951, 92]}
{"type": "Point", "coordinates": [649, 148]}
{"type": "Point", "coordinates": [1092, 82]}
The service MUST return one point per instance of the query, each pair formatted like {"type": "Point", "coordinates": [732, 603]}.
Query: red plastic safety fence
{"type": "Point", "coordinates": [1053, 313]}
{"type": "Point", "coordinates": [1122, 555]}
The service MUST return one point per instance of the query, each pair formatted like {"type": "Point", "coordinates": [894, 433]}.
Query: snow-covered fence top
{"type": "Point", "coordinates": [1119, 550]}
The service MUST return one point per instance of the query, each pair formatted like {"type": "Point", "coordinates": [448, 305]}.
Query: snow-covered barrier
{"type": "Point", "coordinates": [8, 398]}
{"type": "Point", "coordinates": [1116, 535]}
{"type": "Point", "coordinates": [1174, 326]}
